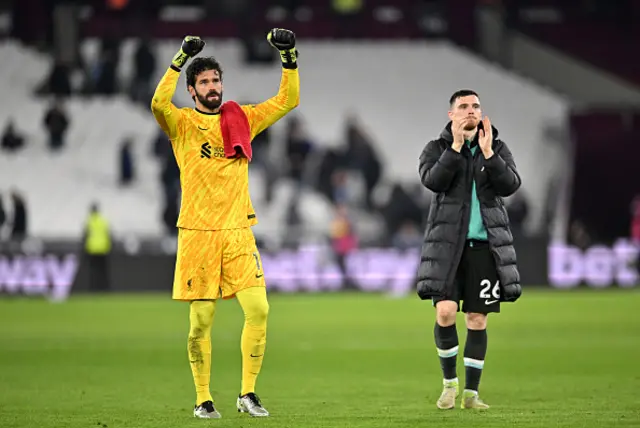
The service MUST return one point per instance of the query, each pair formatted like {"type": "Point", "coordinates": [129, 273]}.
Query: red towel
{"type": "Point", "coordinates": [236, 133]}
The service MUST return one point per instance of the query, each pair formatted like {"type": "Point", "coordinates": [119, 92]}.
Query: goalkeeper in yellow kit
{"type": "Point", "coordinates": [217, 255]}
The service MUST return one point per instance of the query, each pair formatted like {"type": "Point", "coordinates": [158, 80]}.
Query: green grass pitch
{"type": "Point", "coordinates": [555, 359]}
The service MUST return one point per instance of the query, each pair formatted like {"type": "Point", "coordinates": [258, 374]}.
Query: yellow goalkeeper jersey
{"type": "Point", "coordinates": [215, 189]}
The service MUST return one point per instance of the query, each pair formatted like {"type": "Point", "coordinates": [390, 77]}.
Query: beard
{"type": "Point", "coordinates": [211, 104]}
{"type": "Point", "coordinates": [471, 124]}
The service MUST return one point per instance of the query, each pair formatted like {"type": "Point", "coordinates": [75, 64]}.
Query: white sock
{"type": "Point", "coordinates": [446, 382]}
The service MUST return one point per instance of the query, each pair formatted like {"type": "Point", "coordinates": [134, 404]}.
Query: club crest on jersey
{"type": "Point", "coordinates": [205, 150]}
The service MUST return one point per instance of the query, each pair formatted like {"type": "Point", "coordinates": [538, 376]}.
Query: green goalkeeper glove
{"type": "Point", "coordinates": [285, 42]}
{"type": "Point", "coordinates": [191, 46]}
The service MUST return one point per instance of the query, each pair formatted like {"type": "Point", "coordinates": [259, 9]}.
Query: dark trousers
{"type": "Point", "coordinates": [98, 265]}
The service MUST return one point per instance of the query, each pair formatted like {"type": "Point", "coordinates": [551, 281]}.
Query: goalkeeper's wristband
{"type": "Point", "coordinates": [180, 59]}
{"type": "Point", "coordinates": [289, 58]}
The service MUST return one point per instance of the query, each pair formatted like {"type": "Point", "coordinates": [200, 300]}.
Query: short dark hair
{"type": "Point", "coordinates": [461, 93]}
{"type": "Point", "coordinates": [200, 64]}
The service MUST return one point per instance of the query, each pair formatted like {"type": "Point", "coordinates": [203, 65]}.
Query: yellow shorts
{"type": "Point", "coordinates": [216, 264]}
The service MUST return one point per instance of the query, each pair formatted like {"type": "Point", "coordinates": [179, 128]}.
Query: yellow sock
{"type": "Point", "coordinates": [199, 346]}
{"type": "Point", "coordinates": [254, 334]}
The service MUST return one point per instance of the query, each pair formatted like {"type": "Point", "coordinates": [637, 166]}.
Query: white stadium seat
{"type": "Point", "coordinates": [399, 91]}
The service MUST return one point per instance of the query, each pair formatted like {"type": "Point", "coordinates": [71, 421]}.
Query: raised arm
{"type": "Point", "coordinates": [166, 113]}
{"type": "Point", "coordinates": [265, 114]}
{"type": "Point", "coordinates": [437, 167]}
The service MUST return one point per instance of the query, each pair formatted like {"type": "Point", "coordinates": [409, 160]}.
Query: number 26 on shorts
{"type": "Point", "coordinates": [486, 286]}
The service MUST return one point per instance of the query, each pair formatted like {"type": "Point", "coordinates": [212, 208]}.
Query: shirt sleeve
{"type": "Point", "coordinates": [168, 116]}
{"type": "Point", "coordinates": [265, 114]}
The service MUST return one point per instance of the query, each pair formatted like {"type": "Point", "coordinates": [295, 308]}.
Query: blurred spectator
{"type": "Point", "coordinates": [144, 63]}
{"type": "Point", "coordinates": [170, 180]}
{"type": "Point", "coordinates": [343, 238]}
{"type": "Point", "coordinates": [635, 219]}
{"type": "Point", "coordinates": [256, 51]}
{"type": "Point", "coordinates": [421, 196]}
{"type": "Point", "coordinates": [299, 146]}
{"type": "Point", "coordinates": [58, 82]}
{"type": "Point", "coordinates": [400, 209]}
{"type": "Point", "coordinates": [105, 69]}
{"type": "Point", "coordinates": [19, 224]}
{"type": "Point", "coordinates": [407, 236]}
{"type": "Point", "coordinates": [339, 187]}
{"type": "Point", "coordinates": [56, 123]}
{"type": "Point", "coordinates": [361, 156]}
{"type": "Point", "coordinates": [517, 210]}
{"type": "Point", "coordinates": [97, 247]}
{"type": "Point", "coordinates": [579, 236]}
{"type": "Point", "coordinates": [261, 147]}
{"type": "Point", "coordinates": [3, 215]}
{"type": "Point", "coordinates": [330, 163]}
{"type": "Point", "coordinates": [170, 214]}
{"type": "Point", "coordinates": [11, 140]}
{"type": "Point", "coordinates": [161, 145]}
{"type": "Point", "coordinates": [105, 75]}
{"type": "Point", "coordinates": [127, 168]}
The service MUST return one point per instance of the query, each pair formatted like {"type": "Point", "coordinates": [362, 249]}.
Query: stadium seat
{"type": "Point", "coordinates": [399, 90]}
